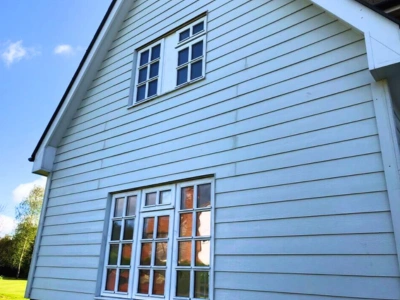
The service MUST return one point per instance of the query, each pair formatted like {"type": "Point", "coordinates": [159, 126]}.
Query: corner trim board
{"type": "Point", "coordinates": [389, 148]}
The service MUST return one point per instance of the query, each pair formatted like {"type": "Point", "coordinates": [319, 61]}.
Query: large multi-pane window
{"type": "Point", "coordinates": [160, 243]}
{"type": "Point", "coordinates": [171, 61]}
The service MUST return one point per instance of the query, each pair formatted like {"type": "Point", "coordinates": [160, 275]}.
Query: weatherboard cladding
{"type": "Point", "coordinates": [285, 121]}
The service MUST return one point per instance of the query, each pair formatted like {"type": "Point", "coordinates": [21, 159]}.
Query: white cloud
{"type": "Point", "coordinates": [65, 49]}
{"type": "Point", "coordinates": [7, 225]}
{"type": "Point", "coordinates": [22, 191]}
{"type": "Point", "coordinates": [14, 52]}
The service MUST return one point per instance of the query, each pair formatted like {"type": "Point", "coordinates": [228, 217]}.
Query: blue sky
{"type": "Point", "coordinates": [41, 45]}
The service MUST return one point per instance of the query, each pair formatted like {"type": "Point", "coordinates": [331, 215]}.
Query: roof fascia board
{"type": "Point", "coordinates": [76, 92]}
{"type": "Point", "coordinates": [382, 36]}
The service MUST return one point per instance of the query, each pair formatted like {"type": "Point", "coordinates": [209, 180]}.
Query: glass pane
{"type": "Point", "coordinates": [203, 253]}
{"type": "Point", "coordinates": [116, 230]}
{"type": "Point", "coordinates": [158, 282]}
{"type": "Point", "coordinates": [155, 52]}
{"type": "Point", "coordinates": [204, 195]}
{"type": "Point", "coordinates": [148, 228]}
{"type": "Point", "coordinates": [154, 69]}
{"type": "Point", "coordinates": [185, 225]}
{"type": "Point", "coordinates": [113, 255]}
{"type": "Point", "coordinates": [196, 70]}
{"type": "Point", "coordinates": [144, 279]}
{"type": "Point", "coordinates": [110, 281]}
{"type": "Point", "coordinates": [150, 199]}
{"type": "Point", "coordinates": [162, 227]}
{"type": "Point", "coordinates": [182, 76]}
{"type": "Point", "coordinates": [183, 56]}
{"type": "Point", "coordinates": [187, 197]}
{"type": "Point", "coordinates": [123, 281]}
{"type": "Point", "coordinates": [182, 283]}
{"type": "Point", "coordinates": [142, 75]}
{"type": "Point", "coordinates": [144, 57]}
{"type": "Point", "coordinates": [145, 255]}
{"type": "Point", "coordinates": [198, 27]}
{"type": "Point", "coordinates": [131, 206]}
{"type": "Point", "coordinates": [141, 93]}
{"type": "Point", "coordinates": [184, 34]}
{"type": "Point", "coordinates": [128, 230]}
{"type": "Point", "coordinates": [126, 254]}
{"type": "Point", "coordinates": [152, 88]}
{"type": "Point", "coordinates": [184, 253]}
{"type": "Point", "coordinates": [165, 197]}
{"type": "Point", "coordinates": [161, 254]}
{"type": "Point", "coordinates": [201, 285]}
{"type": "Point", "coordinates": [119, 207]}
{"type": "Point", "coordinates": [203, 223]}
{"type": "Point", "coordinates": [197, 50]}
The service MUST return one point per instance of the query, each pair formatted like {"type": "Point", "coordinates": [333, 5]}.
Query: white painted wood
{"type": "Point", "coordinates": [285, 123]}
{"type": "Point", "coordinates": [311, 284]}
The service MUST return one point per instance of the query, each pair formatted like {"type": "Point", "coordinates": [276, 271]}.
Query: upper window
{"type": "Point", "coordinates": [181, 53]}
{"type": "Point", "coordinates": [159, 243]}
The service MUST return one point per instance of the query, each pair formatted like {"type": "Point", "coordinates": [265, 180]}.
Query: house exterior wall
{"type": "Point", "coordinates": [285, 122]}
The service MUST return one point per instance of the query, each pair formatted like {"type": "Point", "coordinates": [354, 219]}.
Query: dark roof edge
{"type": "Point", "coordinates": [381, 12]}
{"type": "Point", "coordinates": [89, 49]}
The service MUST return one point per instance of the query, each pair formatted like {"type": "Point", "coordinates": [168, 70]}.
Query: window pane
{"type": "Point", "coordinates": [162, 227]}
{"type": "Point", "coordinates": [151, 199]}
{"type": "Point", "coordinates": [198, 27]}
{"type": "Point", "coordinates": [161, 254]}
{"type": "Point", "coordinates": [142, 75]}
{"type": "Point", "coordinates": [197, 50]}
{"type": "Point", "coordinates": [141, 92]}
{"type": "Point", "coordinates": [196, 70]}
{"type": "Point", "coordinates": [154, 69]}
{"type": "Point", "coordinates": [116, 230]}
{"type": "Point", "coordinates": [113, 256]}
{"type": "Point", "coordinates": [158, 282]}
{"type": "Point", "coordinates": [155, 52]}
{"type": "Point", "coordinates": [152, 88]}
{"type": "Point", "coordinates": [145, 256]}
{"type": "Point", "coordinates": [119, 207]}
{"type": "Point", "coordinates": [144, 57]}
{"type": "Point", "coordinates": [185, 225]}
{"type": "Point", "coordinates": [203, 253]}
{"type": "Point", "coordinates": [144, 279]}
{"type": "Point", "coordinates": [182, 283]}
{"type": "Point", "coordinates": [110, 281]}
{"type": "Point", "coordinates": [126, 254]}
{"type": "Point", "coordinates": [165, 197]}
{"type": "Point", "coordinates": [148, 228]}
{"type": "Point", "coordinates": [131, 206]}
{"type": "Point", "coordinates": [201, 284]}
{"type": "Point", "coordinates": [184, 253]}
{"type": "Point", "coordinates": [123, 281]}
{"type": "Point", "coordinates": [182, 75]}
{"type": "Point", "coordinates": [128, 230]}
{"type": "Point", "coordinates": [184, 34]}
{"type": "Point", "coordinates": [203, 195]}
{"type": "Point", "coordinates": [187, 197]}
{"type": "Point", "coordinates": [183, 56]}
{"type": "Point", "coordinates": [203, 221]}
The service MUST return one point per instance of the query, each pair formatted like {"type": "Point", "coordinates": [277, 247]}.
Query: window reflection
{"type": "Point", "coordinates": [158, 282]}
{"type": "Point", "coordinates": [162, 227]}
{"type": "Point", "coordinates": [203, 195]}
{"type": "Point", "coordinates": [200, 284]}
{"type": "Point", "coordinates": [203, 222]}
{"type": "Point", "coordinates": [203, 253]}
{"type": "Point", "coordinates": [119, 207]}
{"type": "Point", "coordinates": [184, 253]}
{"type": "Point", "coordinates": [148, 228]}
{"type": "Point", "coordinates": [110, 281]}
{"type": "Point", "coordinates": [145, 256]}
{"type": "Point", "coordinates": [144, 278]}
{"type": "Point", "coordinates": [123, 281]}
{"type": "Point", "coordinates": [187, 197]}
{"type": "Point", "coordinates": [185, 225]}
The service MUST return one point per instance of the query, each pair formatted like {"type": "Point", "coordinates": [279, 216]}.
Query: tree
{"type": "Point", "coordinates": [27, 215]}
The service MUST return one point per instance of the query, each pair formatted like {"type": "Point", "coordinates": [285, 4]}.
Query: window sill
{"type": "Point", "coordinates": [163, 94]}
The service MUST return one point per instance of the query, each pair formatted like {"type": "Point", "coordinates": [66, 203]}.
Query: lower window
{"type": "Point", "coordinates": [159, 243]}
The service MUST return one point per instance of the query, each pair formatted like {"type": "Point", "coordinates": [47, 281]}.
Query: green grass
{"type": "Point", "coordinates": [12, 289]}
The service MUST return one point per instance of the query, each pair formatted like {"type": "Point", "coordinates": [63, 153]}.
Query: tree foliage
{"type": "Point", "coordinates": [16, 250]}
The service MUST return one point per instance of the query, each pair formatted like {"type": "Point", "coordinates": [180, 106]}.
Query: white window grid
{"type": "Point", "coordinates": [173, 211]}
{"type": "Point", "coordinates": [147, 65]}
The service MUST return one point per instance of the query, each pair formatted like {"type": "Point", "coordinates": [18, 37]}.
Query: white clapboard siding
{"type": "Point", "coordinates": [284, 122]}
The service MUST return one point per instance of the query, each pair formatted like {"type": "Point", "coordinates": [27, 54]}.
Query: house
{"type": "Point", "coordinates": [225, 150]}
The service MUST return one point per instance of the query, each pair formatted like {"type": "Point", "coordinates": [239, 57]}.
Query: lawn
{"type": "Point", "coordinates": [12, 289]}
